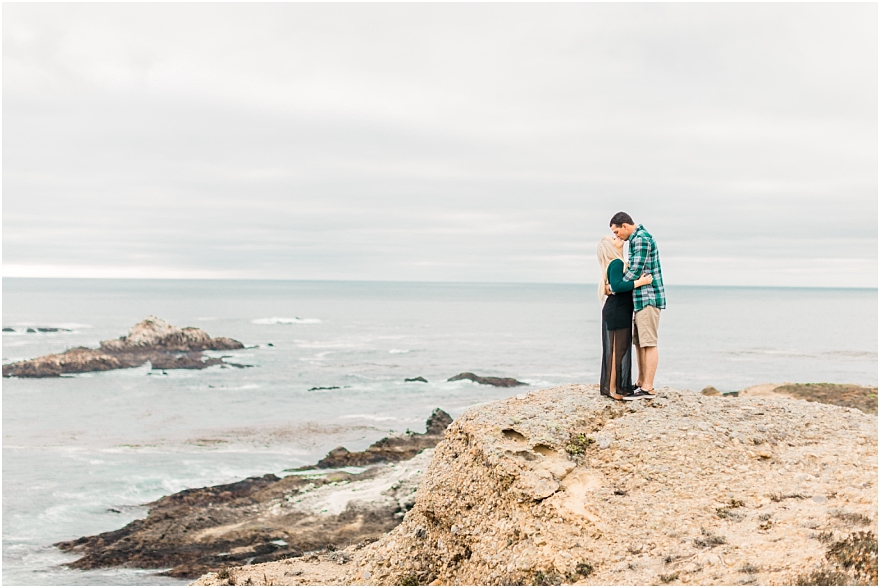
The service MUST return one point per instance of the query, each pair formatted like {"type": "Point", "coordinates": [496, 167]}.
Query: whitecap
{"type": "Point", "coordinates": [399, 351]}
{"type": "Point", "coordinates": [244, 387]}
{"type": "Point", "coordinates": [369, 417]}
{"type": "Point", "coordinates": [277, 320]}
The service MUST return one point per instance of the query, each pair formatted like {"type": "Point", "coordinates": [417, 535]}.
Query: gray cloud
{"type": "Point", "coordinates": [440, 141]}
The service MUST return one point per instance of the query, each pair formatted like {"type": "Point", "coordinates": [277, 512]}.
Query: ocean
{"type": "Point", "coordinates": [81, 454]}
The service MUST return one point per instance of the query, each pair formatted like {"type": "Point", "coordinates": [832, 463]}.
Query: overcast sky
{"type": "Point", "coordinates": [464, 142]}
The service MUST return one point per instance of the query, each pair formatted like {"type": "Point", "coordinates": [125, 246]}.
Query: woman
{"type": "Point", "coordinates": [617, 317]}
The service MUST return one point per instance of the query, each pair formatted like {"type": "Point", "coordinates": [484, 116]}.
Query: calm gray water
{"type": "Point", "coordinates": [73, 448]}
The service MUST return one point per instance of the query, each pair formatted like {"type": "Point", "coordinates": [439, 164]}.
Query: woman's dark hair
{"type": "Point", "coordinates": [620, 218]}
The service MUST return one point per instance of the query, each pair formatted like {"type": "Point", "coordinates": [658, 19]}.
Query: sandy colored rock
{"type": "Point", "coordinates": [708, 490]}
{"type": "Point", "coordinates": [324, 568]}
{"type": "Point", "coordinates": [767, 390]}
{"type": "Point", "coordinates": [565, 486]}
{"type": "Point", "coordinates": [863, 398]}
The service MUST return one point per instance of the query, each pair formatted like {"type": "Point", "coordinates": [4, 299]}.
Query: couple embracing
{"type": "Point", "coordinates": [634, 295]}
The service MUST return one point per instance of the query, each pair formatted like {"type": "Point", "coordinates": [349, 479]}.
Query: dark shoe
{"type": "Point", "coordinates": [637, 393]}
{"type": "Point", "coordinates": [641, 390]}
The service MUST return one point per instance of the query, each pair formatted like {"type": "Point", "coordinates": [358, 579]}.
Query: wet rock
{"type": "Point", "coordinates": [152, 340]}
{"type": "Point", "coordinates": [416, 379]}
{"type": "Point", "coordinates": [490, 381]}
{"type": "Point", "coordinates": [389, 449]}
{"type": "Point", "coordinates": [267, 518]}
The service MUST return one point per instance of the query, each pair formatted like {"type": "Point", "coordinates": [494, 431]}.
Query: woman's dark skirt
{"type": "Point", "coordinates": [617, 345]}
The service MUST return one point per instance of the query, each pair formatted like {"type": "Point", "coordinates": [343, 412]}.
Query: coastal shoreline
{"type": "Point", "coordinates": [264, 518]}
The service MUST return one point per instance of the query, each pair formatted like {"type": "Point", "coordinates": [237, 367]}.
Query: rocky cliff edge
{"type": "Point", "coordinates": [564, 486]}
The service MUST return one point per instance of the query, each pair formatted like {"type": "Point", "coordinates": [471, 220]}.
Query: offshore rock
{"type": "Point", "coordinates": [267, 518]}
{"type": "Point", "coordinates": [490, 381]}
{"type": "Point", "coordinates": [153, 340]}
{"type": "Point", "coordinates": [389, 449]}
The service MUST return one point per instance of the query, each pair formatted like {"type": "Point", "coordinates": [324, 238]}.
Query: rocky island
{"type": "Point", "coordinates": [563, 486]}
{"type": "Point", "coordinates": [151, 340]}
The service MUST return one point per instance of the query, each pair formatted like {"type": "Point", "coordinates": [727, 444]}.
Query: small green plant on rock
{"type": "Point", "coordinates": [578, 444]}
{"type": "Point", "coordinates": [778, 497]}
{"type": "Point", "coordinates": [852, 561]}
{"type": "Point", "coordinates": [823, 577]}
{"type": "Point", "coordinates": [852, 518]}
{"type": "Point", "coordinates": [730, 510]}
{"type": "Point", "coordinates": [409, 580]}
{"type": "Point", "coordinates": [548, 578]}
{"type": "Point", "coordinates": [581, 570]}
{"type": "Point", "coordinates": [709, 539]}
{"type": "Point", "coordinates": [667, 578]}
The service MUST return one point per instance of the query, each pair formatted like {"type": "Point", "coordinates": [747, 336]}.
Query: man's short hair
{"type": "Point", "coordinates": [620, 218]}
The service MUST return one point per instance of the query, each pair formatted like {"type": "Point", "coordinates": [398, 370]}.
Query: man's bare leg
{"type": "Point", "coordinates": [640, 360]}
{"type": "Point", "coordinates": [648, 357]}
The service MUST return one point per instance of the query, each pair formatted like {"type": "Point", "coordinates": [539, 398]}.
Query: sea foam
{"type": "Point", "coordinates": [277, 320]}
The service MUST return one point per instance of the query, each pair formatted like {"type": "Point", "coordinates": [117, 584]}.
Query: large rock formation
{"type": "Point", "coordinates": [268, 518]}
{"type": "Point", "coordinates": [153, 340]}
{"type": "Point", "coordinates": [562, 485]}
{"type": "Point", "coordinates": [566, 486]}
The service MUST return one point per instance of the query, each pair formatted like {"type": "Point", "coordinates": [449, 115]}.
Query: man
{"type": "Point", "coordinates": [647, 300]}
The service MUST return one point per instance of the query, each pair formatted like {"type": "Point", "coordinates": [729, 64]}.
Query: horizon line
{"type": "Point", "coordinates": [227, 279]}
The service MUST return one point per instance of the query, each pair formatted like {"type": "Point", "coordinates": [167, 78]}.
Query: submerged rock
{"type": "Point", "coordinates": [267, 518]}
{"type": "Point", "coordinates": [153, 340]}
{"type": "Point", "coordinates": [490, 381]}
{"type": "Point", "coordinates": [416, 379]}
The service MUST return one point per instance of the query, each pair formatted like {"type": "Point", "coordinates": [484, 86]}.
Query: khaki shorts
{"type": "Point", "coordinates": [645, 325]}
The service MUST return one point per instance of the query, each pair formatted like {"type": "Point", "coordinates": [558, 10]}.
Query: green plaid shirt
{"type": "Point", "coordinates": [645, 259]}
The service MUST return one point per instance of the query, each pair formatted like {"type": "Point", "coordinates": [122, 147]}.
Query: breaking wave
{"type": "Point", "coordinates": [277, 320]}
